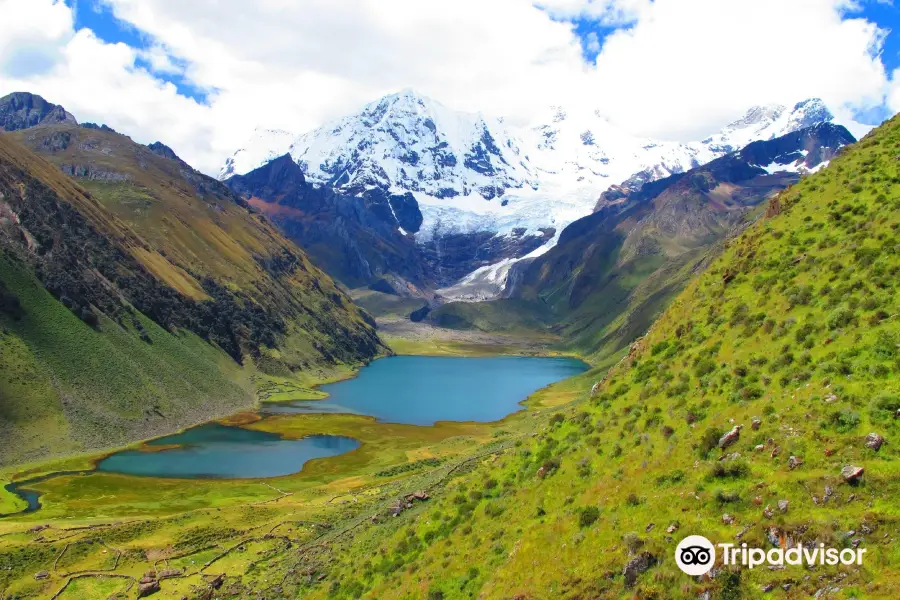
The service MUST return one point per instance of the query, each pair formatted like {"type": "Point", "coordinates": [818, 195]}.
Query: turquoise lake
{"type": "Point", "coordinates": [218, 451]}
{"type": "Point", "coordinates": [421, 390]}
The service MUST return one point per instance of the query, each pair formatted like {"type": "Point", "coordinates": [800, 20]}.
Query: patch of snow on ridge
{"type": "Point", "coordinates": [489, 282]}
{"type": "Point", "coordinates": [263, 146]}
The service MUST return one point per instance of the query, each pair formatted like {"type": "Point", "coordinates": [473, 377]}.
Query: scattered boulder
{"type": "Point", "coordinates": [727, 519]}
{"type": "Point", "coordinates": [41, 575]}
{"type": "Point", "coordinates": [874, 441]}
{"type": "Point", "coordinates": [673, 527]}
{"type": "Point", "coordinates": [783, 505]}
{"type": "Point", "coordinates": [38, 528]}
{"type": "Point", "coordinates": [636, 566]}
{"type": "Point", "coordinates": [755, 423]}
{"type": "Point", "coordinates": [731, 437]}
{"type": "Point", "coordinates": [852, 473]}
{"type": "Point", "coordinates": [768, 512]}
{"type": "Point", "coordinates": [794, 462]}
{"type": "Point", "coordinates": [595, 388]}
{"type": "Point", "coordinates": [146, 589]}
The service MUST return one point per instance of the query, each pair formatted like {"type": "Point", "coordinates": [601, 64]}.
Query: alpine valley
{"type": "Point", "coordinates": [418, 353]}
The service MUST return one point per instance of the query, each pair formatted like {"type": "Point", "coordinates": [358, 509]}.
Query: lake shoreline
{"type": "Point", "coordinates": [258, 420]}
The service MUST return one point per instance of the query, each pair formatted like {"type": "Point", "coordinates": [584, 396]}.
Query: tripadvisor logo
{"type": "Point", "coordinates": [696, 555]}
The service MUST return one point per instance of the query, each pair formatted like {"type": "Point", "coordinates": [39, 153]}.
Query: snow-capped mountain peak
{"type": "Point", "coordinates": [758, 116]}
{"type": "Point", "coordinates": [475, 174]}
{"type": "Point", "coordinates": [769, 122]}
{"type": "Point", "coordinates": [403, 142]}
{"type": "Point", "coordinates": [808, 113]}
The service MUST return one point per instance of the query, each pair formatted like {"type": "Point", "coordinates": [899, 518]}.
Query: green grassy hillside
{"type": "Point", "coordinates": [794, 325]}
{"type": "Point", "coordinates": [141, 296]}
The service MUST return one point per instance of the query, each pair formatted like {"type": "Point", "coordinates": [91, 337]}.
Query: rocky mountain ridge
{"type": "Point", "coordinates": [481, 178]}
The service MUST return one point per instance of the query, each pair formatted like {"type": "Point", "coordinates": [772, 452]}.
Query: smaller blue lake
{"type": "Point", "coordinates": [220, 452]}
{"type": "Point", "coordinates": [421, 390]}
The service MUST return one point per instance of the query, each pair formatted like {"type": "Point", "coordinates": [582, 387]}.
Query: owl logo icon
{"type": "Point", "coordinates": [695, 555]}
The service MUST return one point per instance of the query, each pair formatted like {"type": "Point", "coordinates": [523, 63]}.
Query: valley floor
{"type": "Point", "coordinates": [407, 337]}
{"type": "Point", "coordinates": [98, 535]}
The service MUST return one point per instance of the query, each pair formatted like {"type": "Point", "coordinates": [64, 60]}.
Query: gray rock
{"type": "Point", "coordinates": [852, 473]}
{"type": "Point", "coordinates": [40, 575]}
{"type": "Point", "coordinates": [146, 589]}
{"type": "Point", "coordinates": [874, 441]}
{"type": "Point", "coordinates": [755, 423]}
{"type": "Point", "coordinates": [731, 437]}
{"type": "Point", "coordinates": [636, 566]}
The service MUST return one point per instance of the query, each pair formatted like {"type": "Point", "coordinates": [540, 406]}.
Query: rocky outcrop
{"type": "Point", "coordinates": [22, 110]}
{"type": "Point", "coordinates": [160, 149]}
{"type": "Point", "coordinates": [356, 239]}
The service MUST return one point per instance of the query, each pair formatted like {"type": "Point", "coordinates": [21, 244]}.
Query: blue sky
{"type": "Point", "coordinates": [97, 17]}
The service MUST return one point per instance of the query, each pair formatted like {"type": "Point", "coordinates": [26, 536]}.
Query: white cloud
{"type": "Point", "coordinates": [608, 12]}
{"type": "Point", "coordinates": [678, 68]}
{"type": "Point", "coordinates": [689, 63]}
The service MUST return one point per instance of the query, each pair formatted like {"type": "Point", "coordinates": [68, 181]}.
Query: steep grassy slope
{"type": "Point", "coordinates": [795, 325]}
{"type": "Point", "coordinates": [130, 304]}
